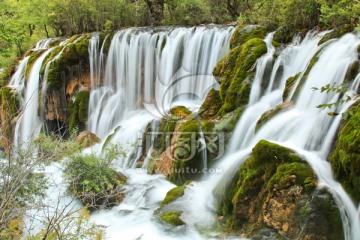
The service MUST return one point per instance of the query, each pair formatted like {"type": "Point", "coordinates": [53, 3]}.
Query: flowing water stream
{"type": "Point", "coordinates": [147, 71]}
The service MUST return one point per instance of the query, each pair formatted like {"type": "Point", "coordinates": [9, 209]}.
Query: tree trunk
{"type": "Point", "coordinates": [47, 33]}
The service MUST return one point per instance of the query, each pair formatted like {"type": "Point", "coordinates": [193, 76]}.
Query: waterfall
{"type": "Point", "coordinates": [152, 68]}
{"type": "Point", "coordinates": [304, 128]}
{"type": "Point", "coordinates": [29, 123]}
{"type": "Point", "coordinates": [18, 79]}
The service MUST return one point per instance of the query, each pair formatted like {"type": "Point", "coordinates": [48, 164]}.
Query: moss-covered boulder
{"type": "Point", "coordinates": [79, 111]}
{"type": "Point", "coordinates": [172, 195]}
{"type": "Point", "coordinates": [337, 33]}
{"type": "Point", "coordinates": [186, 157]}
{"type": "Point", "coordinates": [172, 218]}
{"type": "Point", "coordinates": [236, 72]}
{"type": "Point", "coordinates": [244, 33]}
{"type": "Point", "coordinates": [275, 189]}
{"type": "Point", "coordinates": [268, 115]}
{"type": "Point", "coordinates": [211, 105]}
{"type": "Point", "coordinates": [345, 158]}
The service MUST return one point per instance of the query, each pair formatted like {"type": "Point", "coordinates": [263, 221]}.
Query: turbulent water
{"type": "Point", "coordinates": [147, 71]}
{"type": "Point", "coordinates": [152, 69]}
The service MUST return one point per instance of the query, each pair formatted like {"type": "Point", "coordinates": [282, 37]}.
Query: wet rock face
{"type": "Point", "coordinates": [275, 189]}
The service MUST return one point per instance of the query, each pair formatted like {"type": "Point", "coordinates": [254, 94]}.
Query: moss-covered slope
{"type": "Point", "coordinates": [275, 190]}
{"type": "Point", "coordinates": [345, 159]}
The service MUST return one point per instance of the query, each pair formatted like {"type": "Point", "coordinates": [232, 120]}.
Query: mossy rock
{"type": "Point", "coordinates": [290, 82]}
{"type": "Point", "coordinates": [187, 159]}
{"type": "Point", "coordinates": [345, 158]}
{"type": "Point", "coordinates": [211, 105]}
{"type": "Point", "coordinates": [268, 115]}
{"type": "Point", "coordinates": [337, 33]}
{"type": "Point", "coordinates": [180, 112]}
{"type": "Point", "coordinates": [236, 71]}
{"type": "Point", "coordinates": [172, 195]}
{"type": "Point", "coordinates": [276, 189]}
{"type": "Point", "coordinates": [167, 126]}
{"type": "Point", "coordinates": [244, 33]}
{"type": "Point", "coordinates": [34, 55]}
{"type": "Point", "coordinates": [79, 111]}
{"type": "Point", "coordinates": [172, 218]}
{"type": "Point", "coordinates": [49, 58]}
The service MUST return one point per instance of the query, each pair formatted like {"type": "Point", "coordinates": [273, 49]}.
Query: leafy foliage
{"type": "Point", "coordinates": [93, 179]}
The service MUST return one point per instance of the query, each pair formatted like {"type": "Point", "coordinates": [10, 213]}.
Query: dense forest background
{"type": "Point", "coordinates": [24, 22]}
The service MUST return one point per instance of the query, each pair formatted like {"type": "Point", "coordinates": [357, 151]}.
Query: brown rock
{"type": "Point", "coordinates": [87, 139]}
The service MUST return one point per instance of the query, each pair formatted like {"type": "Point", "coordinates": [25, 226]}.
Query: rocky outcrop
{"type": "Point", "coordinates": [275, 190]}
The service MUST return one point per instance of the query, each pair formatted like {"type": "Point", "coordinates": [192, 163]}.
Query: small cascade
{"type": "Point", "coordinates": [153, 68]}
{"type": "Point", "coordinates": [262, 64]}
{"type": "Point", "coordinates": [29, 123]}
{"type": "Point", "coordinates": [18, 79]}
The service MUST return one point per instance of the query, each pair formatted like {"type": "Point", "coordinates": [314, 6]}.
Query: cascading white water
{"type": "Point", "coordinates": [29, 123]}
{"type": "Point", "coordinates": [153, 67]}
{"type": "Point", "coordinates": [304, 128]}
{"type": "Point", "coordinates": [18, 79]}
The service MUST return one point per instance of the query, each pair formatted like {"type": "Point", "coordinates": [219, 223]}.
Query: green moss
{"type": "Point", "coordinates": [73, 38]}
{"type": "Point", "coordinates": [276, 188]}
{"type": "Point", "coordinates": [345, 159]}
{"type": "Point", "coordinates": [173, 218]}
{"type": "Point", "coordinates": [236, 71]}
{"type": "Point", "coordinates": [271, 113]}
{"type": "Point", "coordinates": [187, 159]}
{"type": "Point", "coordinates": [244, 33]}
{"type": "Point", "coordinates": [180, 112]}
{"type": "Point", "coordinates": [54, 77]}
{"type": "Point", "coordinates": [167, 126]}
{"type": "Point", "coordinates": [172, 195]}
{"type": "Point", "coordinates": [290, 82]}
{"type": "Point", "coordinates": [82, 47]}
{"type": "Point", "coordinates": [79, 111]}
{"type": "Point", "coordinates": [34, 55]}
{"type": "Point", "coordinates": [211, 105]}
{"type": "Point", "coordinates": [9, 109]}
{"type": "Point", "coordinates": [49, 58]}
{"type": "Point", "coordinates": [337, 33]}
